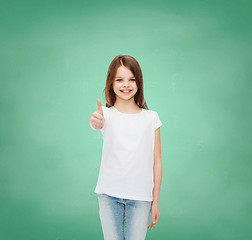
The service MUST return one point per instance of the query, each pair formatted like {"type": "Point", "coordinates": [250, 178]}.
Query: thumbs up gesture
{"type": "Point", "coordinates": [97, 118]}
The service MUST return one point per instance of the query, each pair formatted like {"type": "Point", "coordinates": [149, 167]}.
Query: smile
{"type": "Point", "coordinates": [125, 92]}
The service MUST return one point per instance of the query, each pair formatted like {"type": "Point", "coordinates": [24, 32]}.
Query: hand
{"type": "Point", "coordinates": [97, 118]}
{"type": "Point", "coordinates": [155, 214]}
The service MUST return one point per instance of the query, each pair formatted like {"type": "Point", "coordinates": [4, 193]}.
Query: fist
{"type": "Point", "coordinates": [97, 119]}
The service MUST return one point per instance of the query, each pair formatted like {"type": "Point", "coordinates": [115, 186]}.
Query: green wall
{"type": "Point", "coordinates": [196, 61]}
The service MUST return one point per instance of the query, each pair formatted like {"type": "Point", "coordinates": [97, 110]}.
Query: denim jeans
{"type": "Point", "coordinates": [119, 213]}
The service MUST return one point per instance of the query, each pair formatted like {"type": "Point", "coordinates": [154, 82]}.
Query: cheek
{"type": "Point", "coordinates": [115, 87]}
{"type": "Point", "coordinates": [116, 84]}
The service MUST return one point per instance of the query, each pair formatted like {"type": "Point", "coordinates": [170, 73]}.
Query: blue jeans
{"type": "Point", "coordinates": [117, 213]}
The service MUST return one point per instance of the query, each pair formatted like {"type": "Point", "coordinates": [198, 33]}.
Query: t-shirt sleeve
{"type": "Point", "coordinates": [157, 122]}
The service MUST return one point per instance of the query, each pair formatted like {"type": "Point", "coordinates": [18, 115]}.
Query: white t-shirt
{"type": "Point", "coordinates": [126, 169]}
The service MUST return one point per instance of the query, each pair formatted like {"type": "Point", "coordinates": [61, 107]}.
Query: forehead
{"type": "Point", "coordinates": [123, 71]}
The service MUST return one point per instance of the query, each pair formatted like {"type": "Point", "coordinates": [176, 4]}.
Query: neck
{"type": "Point", "coordinates": [125, 105]}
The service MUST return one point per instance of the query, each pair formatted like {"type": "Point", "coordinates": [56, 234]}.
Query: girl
{"type": "Point", "coordinates": [130, 174]}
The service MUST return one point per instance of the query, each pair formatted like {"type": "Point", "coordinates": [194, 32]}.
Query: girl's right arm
{"type": "Point", "coordinates": [97, 119]}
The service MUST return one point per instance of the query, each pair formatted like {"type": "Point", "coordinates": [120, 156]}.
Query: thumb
{"type": "Point", "coordinates": [99, 110]}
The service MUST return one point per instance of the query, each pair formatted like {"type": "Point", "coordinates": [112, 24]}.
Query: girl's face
{"type": "Point", "coordinates": [124, 80]}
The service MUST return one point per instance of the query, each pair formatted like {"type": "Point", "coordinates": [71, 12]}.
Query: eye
{"type": "Point", "coordinates": [121, 79]}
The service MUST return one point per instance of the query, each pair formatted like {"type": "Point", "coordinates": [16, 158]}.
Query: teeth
{"type": "Point", "coordinates": [126, 91]}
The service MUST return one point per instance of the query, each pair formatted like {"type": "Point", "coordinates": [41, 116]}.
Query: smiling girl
{"type": "Point", "coordinates": [130, 174]}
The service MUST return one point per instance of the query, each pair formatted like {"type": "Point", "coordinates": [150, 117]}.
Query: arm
{"type": "Point", "coordinates": [157, 172]}
{"type": "Point", "coordinates": [97, 119]}
{"type": "Point", "coordinates": [157, 168]}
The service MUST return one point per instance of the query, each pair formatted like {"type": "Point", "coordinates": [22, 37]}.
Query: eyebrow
{"type": "Point", "coordinates": [120, 77]}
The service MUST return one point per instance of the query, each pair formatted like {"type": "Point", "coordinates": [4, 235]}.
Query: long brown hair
{"type": "Point", "coordinates": [132, 64]}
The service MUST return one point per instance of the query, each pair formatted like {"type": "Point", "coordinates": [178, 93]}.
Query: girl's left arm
{"type": "Point", "coordinates": [157, 172]}
{"type": "Point", "coordinates": [157, 168]}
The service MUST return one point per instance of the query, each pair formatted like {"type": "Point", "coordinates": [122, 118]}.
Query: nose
{"type": "Point", "coordinates": [125, 84]}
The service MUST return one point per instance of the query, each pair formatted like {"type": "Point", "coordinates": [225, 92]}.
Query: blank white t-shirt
{"type": "Point", "coordinates": [126, 169]}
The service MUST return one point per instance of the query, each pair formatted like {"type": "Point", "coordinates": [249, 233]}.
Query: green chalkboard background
{"type": "Point", "coordinates": [196, 61]}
